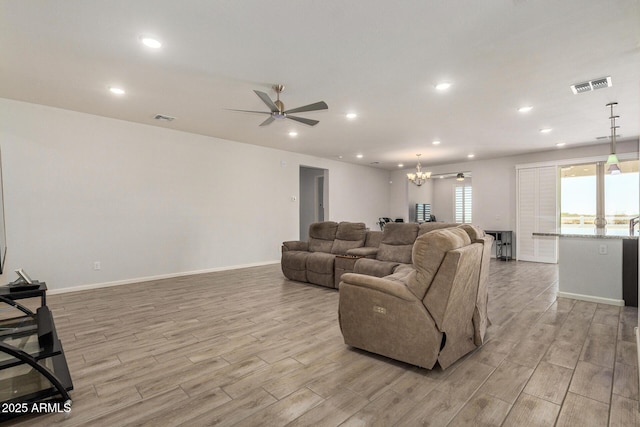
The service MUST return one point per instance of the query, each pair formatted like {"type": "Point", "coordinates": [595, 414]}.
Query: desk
{"type": "Point", "coordinates": [504, 243]}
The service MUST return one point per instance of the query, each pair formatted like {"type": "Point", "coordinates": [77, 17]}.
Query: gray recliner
{"type": "Point", "coordinates": [424, 314]}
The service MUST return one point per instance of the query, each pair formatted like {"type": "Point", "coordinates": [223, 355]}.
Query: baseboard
{"type": "Point", "coordinates": [637, 349]}
{"type": "Point", "coordinates": [591, 298]}
{"type": "Point", "coordinates": [158, 277]}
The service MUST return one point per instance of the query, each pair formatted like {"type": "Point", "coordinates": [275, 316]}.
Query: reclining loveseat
{"type": "Point", "coordinates": [313, 261]}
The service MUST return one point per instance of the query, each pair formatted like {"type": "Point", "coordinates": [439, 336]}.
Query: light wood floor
{"type": "Point", "coordinates": [250, 348]}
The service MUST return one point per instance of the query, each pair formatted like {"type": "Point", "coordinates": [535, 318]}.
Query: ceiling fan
{"type": "Point", "coordinates": [277, 110]}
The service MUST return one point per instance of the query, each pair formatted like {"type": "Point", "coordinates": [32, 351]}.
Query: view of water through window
{"type": "Point", "coordinates": [578, 201]}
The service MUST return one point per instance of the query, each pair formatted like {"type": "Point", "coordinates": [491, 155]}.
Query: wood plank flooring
{"type": "Point", "coordinates": [250, 348]}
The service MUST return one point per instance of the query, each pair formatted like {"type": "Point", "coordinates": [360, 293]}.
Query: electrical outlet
{"type": "Point", "coordinates": [96, 265]}
{"type": "Point", "coordinates": [602, 250]}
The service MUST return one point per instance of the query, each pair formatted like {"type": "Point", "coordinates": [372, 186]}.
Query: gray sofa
{"type": "Point", "coordinates": [313, 261]}
{"type": "Point", "coordinates": [431, 310]}
{"type": "Point", "coordinates": [374, 253]}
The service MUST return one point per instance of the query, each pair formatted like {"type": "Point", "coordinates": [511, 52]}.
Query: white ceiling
{"type": "Point", "coordinates": [378, 58]}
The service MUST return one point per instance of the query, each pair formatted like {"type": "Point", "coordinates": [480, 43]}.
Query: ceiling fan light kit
{"type": "Point", "coordinates": [278, 112]}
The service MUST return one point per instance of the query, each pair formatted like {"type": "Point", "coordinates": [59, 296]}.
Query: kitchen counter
{"type": "Point", "coordinates": [587, 235]}
{"type": "Point", "coordinates": [591, 266]}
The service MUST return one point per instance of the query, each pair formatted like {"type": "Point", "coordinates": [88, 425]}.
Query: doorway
{"type": "Point", "coordinates": [313, 197]}
{"type": "Point", "coordinates": [319, 198]}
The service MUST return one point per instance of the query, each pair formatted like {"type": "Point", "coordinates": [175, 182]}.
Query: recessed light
{"type": "Point", "coordinates": [561, 144]}
{"type": "Point", "coordinates": [351, 116]}
{"type": "Point", "coordinates": [545, 130]}
{"type": "Point", "coordinates": [525, 109]}
{"type": "Point", "coordinates": [116, 90]}
{"type": "Point", "coordinates": [471, 156]}
{"type": "Point", "coordinates": [293, 133]}
{"type": "Point", "coordinates": [359, 156]}
{"type": "Point", "coordinates": [400, 165]}
{"type": "Point", "coordinates": [436, 142]}
{"type": "Point", "coordinates": [151, 42]}
{"type": "Point", "coordinates": [443, 86]}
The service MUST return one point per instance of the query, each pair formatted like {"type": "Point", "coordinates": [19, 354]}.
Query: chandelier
{"type": "Point", "coordinates": [419, 177]}
{"type": "Point", "coordinates": [612, 161]}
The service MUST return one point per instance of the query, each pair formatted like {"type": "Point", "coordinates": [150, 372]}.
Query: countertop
{"type": "Point", "coordinates": [588, 235]}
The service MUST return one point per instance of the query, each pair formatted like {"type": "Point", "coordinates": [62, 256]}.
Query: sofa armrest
{"type": "Point", "coordinates": [295, 245]}
{"type": "Point", "coordinates": [373, 267]}
{"type": "Point", "coordinates": [389, 287]}
{"type": "Point", "coordinates": [363, 252]}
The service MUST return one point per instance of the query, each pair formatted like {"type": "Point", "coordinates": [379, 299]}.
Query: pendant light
{"type": "Point", "coordinates": [613, 164]}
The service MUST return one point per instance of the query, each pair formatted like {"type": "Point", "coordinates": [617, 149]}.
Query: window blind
{"type": "Point", "coordinates": [463, 197]}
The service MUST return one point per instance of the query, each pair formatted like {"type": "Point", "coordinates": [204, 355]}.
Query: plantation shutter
{"type": "Point", "coordinates": [463, 197]}
{"type": "Point", "coordinates": [537, 213]}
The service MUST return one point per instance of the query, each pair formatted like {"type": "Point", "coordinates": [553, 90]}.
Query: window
{"type": "Point", "coordinates": [423, 212]}
{"type": "Point", "coordinates": [621, 201]}
{"type": "Point", "coordinates": [578, 201]}
{"type": "Point", "coordinates": [463, 203]}
{"type": "Point", "coordinates": [581, 205]}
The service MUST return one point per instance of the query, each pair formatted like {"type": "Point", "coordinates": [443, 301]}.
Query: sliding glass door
{"type": "Point", "coordinates": [621, 202]}
{"type": "Point", "coordinates": [581, 205]}
{"type": "Point", "coordinates": [578, 201]}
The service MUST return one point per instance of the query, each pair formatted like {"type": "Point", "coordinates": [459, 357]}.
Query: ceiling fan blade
{"type": "Point", "coordinates": [266, 122]}
{"type": "Point", "coordinates": [303, 120]}
{"type": "Point", "coordinates": [311, 107]}
{"type": "Point", "coordinates": [249, 111]}
{"type": "Point", "coordinates": [265, 98]}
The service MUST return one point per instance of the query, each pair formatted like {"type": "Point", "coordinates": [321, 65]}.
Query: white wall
{"type": "Point", "coordinates": [147, 201]}
{"type": "Point", "coordinates": [444, 199]}
{"type": "Point", "coordinates": [399, 196]}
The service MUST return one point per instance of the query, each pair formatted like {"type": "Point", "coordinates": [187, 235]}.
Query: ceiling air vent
{"type": "Point", "coordinates": [591, 85]}
{"type": "Point", "coordinates": [164, 118]}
